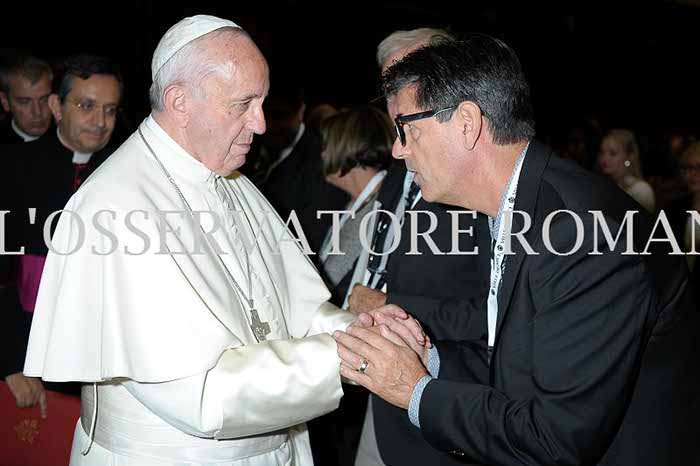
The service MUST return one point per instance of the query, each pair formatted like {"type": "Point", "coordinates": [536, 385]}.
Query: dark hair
{"type": "Point", "coordinates": [360, 136]}
{"type": "Point", "coordinates": [82, 66]}
{"type": "Point", "coordinates": [285, 99]}
{"type": "Point", "coordinates": [476, 68]}
{"type": "Point", "coordinates": [24, 65]}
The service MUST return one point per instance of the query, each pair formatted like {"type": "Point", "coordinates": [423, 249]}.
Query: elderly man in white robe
{"type": "Point", "coordinates": [199, 327]}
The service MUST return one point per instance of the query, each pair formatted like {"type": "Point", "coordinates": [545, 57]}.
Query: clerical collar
{"type": "Point", "coordinates": [176, 158]}
{"type": "Point", "coordinates": [78, 157]}
{"type": "Point", "coordinates": [508, 194]}
{"type": "Point", "coordinates": [25, 137]}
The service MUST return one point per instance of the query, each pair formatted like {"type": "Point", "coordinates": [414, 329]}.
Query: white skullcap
{"type": "Point", "coordinates": [183, 33]}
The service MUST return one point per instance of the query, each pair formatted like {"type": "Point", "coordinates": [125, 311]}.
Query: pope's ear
{"type": "Point", "coordinates": [470, 119]}
{"type": "Point", "coordinates": [55, 107]}
{"type": "Point", "coordinates": [175, 102]}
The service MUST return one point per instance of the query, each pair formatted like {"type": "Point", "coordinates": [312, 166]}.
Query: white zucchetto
{"type": "Point", "coordinates": [181, 34]}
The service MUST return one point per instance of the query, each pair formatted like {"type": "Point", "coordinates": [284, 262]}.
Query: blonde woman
{"type": "Point", "coordinates": [618, 158]}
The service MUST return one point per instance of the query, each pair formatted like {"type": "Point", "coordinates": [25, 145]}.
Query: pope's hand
{"type": "Point", "coordinates": [403, 332]}
{"type": "Point", "coordinates": [364, 321]}
{"type": "Point", "coordinates": [406, 327]}
{"type": "Point", "coordinates": [363, 299]}
{"type": "Point", "coordinates": [391, 370]}
{"type": "Point", "coordinates": [28, 392]}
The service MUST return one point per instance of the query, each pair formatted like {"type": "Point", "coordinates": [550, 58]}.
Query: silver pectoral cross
{"type": "Point", "coordinates": [260, 329]}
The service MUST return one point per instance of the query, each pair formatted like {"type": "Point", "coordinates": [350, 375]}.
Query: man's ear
{"type": "Point", "coordinates": [175, 101]}
{"type": "Point", "coordinates": [4, 101]}
{"type": "Point", "coordinates": [471, 121]}
{"type": "Point", "coordinates": [55, 107]}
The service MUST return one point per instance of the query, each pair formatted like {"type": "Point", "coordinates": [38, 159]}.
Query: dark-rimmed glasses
{"type": "Point", "coordinates": [401, 120]}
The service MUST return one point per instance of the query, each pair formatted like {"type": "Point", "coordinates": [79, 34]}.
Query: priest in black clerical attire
{"type": "Point", "coordinates": [45, 173]}
{"type": "Point", "coordinates": [25, 86]}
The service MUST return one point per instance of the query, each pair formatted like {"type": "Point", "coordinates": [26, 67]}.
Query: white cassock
{"type": "Point", "coordinates": [180, 378]}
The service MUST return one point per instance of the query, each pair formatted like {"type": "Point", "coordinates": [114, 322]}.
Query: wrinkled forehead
{"type": "Point", "coordinates": [243, 64]}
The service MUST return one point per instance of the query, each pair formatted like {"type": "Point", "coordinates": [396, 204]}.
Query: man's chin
{"type": "Point", "coordinates": [92, 144]}
{"type": "Point", "coordinates": [36, 130]}
{"type": "Point", "coordinates": [236, 162]}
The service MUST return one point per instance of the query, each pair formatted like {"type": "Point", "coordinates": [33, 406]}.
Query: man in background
{"type": "Point", "coordinates": [25, 86]}
{"type": "Point", "coordinates": [422, 283]}
{"type": "Point", "coordinates": [44, 174]}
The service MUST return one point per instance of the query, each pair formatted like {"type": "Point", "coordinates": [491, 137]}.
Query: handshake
{"type": "Point", "coordinates": [386, 351]}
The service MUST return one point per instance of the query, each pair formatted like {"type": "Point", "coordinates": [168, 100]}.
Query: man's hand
{"type": "Point", "coordinates": [405, 326]}
{"type": "Point", "coordinates": [392, 370]}
{"type": "Point", "coordinates": [404, 332]}
{"type": "Point", "coordinates": [28, 392]}
{"type": "Point", "coordinates": [363, 299]}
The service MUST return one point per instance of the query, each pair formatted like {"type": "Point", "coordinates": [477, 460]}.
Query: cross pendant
{"type": "Point", "coordinates": [260, 329]}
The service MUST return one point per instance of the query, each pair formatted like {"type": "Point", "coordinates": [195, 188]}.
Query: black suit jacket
{"type": "Point", "coordinates": [595, 358]}
{"type": "Point", "coordinates": [420, 284]}
{"type": "Point", "coordinates": [677, 214]}
{"type": "Point", "coordinates": [42, 177]}
{"type": "Point", "coordinates": [8, 136]}
{"type": "Point", "coordinates": [298, 184]}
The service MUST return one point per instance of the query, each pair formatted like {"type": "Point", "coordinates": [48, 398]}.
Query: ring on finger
{"type": "Point", "coordinates": [363, 366]}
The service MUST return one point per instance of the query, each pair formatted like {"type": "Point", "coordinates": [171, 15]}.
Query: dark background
{"type": "Point", "coordinates": [634, 69]}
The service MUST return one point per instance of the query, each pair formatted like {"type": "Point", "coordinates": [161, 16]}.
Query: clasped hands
{"type": "Point", "coordinates": [391, 348]}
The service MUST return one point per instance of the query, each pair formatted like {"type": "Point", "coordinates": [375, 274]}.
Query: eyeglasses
{"type": "Point", "coordinates": [401, 120]}
{"type": "Point", "coordinates": [87, 107]}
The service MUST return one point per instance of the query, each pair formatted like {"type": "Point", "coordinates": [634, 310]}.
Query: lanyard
{"type": "Point", "coordinates": [356, 205]}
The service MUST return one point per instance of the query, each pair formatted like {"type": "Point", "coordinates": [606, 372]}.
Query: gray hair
{"type": "Point", "coordinates": [400, 40]}
{"type": "Point", "coordinates": [189, 66]}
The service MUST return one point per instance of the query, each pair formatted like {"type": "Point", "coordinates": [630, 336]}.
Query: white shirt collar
{"type": "Point", "coordinates": [173, 155]}
{"type": "Point", "coordinates": [25, 137]}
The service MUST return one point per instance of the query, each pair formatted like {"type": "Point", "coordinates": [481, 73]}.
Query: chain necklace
{"type": "Point", "coordinates": [260, 328]}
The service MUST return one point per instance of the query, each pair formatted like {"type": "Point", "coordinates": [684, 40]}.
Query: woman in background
{"type": "Point", "coordinates": [356, 152]}
{"type": "Point", "coordinates": [618, 158]}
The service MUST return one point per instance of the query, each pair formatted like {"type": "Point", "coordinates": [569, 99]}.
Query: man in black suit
{"type": "Point", "coordinates": [416, 273]}
{"type": "Point", "coordinates": [591, 355]}
{"type": "Point", "coordinates": [288, 167]}
{"type": "Point", "coordinates": [25, 86]}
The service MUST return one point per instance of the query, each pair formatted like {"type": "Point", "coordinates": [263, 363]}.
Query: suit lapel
{"type": "Point", "coordinates": [534, 164]}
